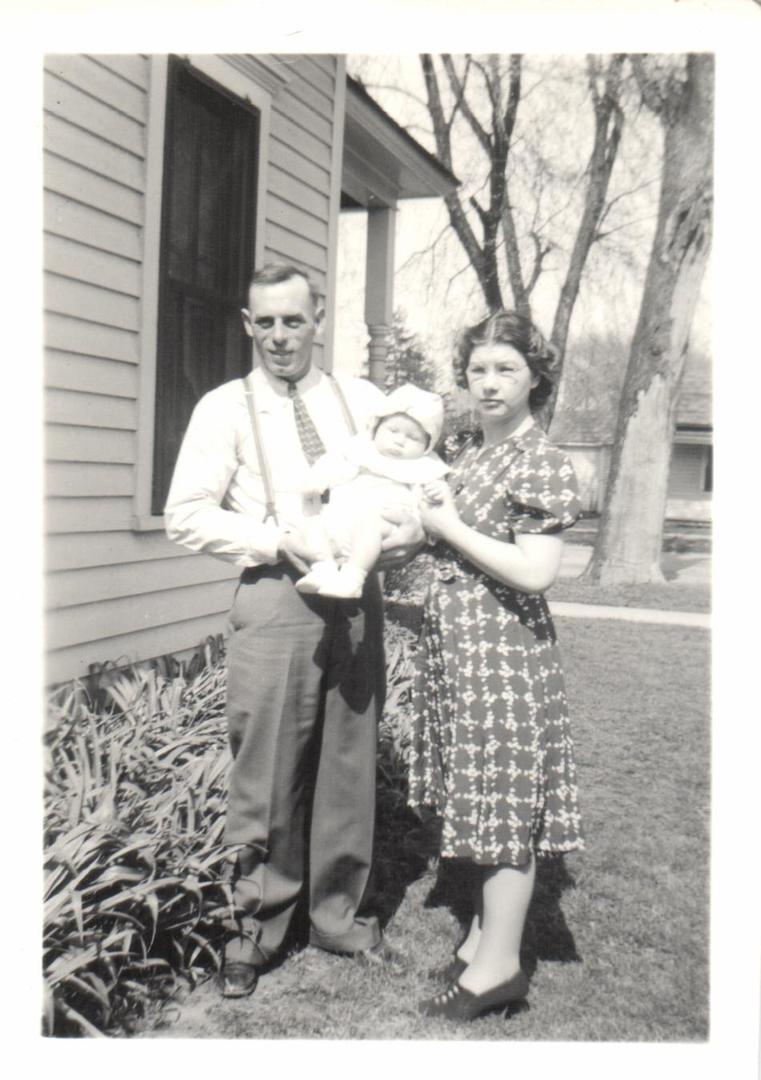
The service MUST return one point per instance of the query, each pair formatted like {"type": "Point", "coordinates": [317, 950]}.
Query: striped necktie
{"type": "Point", "coordinates": [311, 443]}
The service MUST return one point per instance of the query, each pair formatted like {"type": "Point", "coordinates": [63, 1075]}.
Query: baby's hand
{"type": "Point", "coordinates": [435, 492]}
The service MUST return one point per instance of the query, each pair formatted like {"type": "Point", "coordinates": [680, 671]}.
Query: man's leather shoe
{"type": "Point", "coordinates": [383, 956]}
{"type": "Point", "coordinates": [237, 980]}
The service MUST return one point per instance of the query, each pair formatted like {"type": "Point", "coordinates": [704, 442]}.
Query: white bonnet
{"type": "Point", "coordinates": [420, 405]}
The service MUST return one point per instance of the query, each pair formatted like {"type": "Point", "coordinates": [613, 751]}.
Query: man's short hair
{"type": "Point", "coordinates": [275, 272]}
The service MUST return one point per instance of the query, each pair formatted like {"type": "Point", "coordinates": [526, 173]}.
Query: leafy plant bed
{"type": "Point", "coordinates": [617, 936]}
{"type": "Point", "coordinates": [134, 871]}
{"type": "Point", "coordinates": [136, 896]}
{"type": "Point", "coordinates": [137, 900]}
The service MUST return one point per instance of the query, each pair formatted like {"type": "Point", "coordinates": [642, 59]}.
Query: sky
{"type": "Point", "coordinates": [439, 295]}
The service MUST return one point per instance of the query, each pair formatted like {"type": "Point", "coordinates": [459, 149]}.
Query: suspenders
{"type": "Point", "coordinates": [269, 492]}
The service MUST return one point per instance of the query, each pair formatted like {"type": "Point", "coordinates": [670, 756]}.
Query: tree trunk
{"type": "Point", "coordinates": [630, 536]}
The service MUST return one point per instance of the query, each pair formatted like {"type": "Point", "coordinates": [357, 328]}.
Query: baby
{"type": "Point", "coordinates": [386, 466]}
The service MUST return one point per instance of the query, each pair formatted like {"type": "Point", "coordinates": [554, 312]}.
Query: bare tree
{"type": "Point", "coordinates": [630, 536]}
{"type": "Point", "coordinates": [495, 133]}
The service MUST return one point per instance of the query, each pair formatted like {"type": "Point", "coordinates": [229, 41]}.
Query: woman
{"type": "Point", "coordinates": [492, 750]}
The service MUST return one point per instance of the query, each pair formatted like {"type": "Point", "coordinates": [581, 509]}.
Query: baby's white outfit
{"type": "Point", "coordinates": [362, 481]}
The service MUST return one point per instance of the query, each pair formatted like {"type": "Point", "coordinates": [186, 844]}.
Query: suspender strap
{"type": "Point", "coordinates": [343, 402]}
{"type": "Point", "coordinates": [264, 465]}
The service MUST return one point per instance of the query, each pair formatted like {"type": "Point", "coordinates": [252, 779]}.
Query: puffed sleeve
{"type": "Point", "coordinates": [543, 495]}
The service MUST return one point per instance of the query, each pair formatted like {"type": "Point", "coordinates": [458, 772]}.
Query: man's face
{"type": "Point", "coordinates": [283, 321]}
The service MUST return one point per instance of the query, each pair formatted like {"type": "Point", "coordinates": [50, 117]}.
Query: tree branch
{"type": "Point", "coordinates": [483, 265]}
{"type": "Point", "coordinates": [461, 102]}
{"type": "Point", "coordinates": [541, 254]}
{"type": "Point", "coordinates": [514, 96]}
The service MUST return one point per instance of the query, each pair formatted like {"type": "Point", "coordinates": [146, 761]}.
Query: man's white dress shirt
{"type": "Point", "coordinates": [217, 500]}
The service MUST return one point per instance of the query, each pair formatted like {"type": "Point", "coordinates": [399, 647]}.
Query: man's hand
{"type": "Point", "coordinates": [404, 542]}
{"type": "Point", "coordinates": [298, 551]}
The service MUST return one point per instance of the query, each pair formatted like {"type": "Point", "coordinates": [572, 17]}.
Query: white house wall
{"type": "Point", "coordinates": [115, 593]}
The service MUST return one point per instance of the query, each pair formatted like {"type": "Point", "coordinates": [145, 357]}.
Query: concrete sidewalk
{"type": "Point", "coordinates": [689, 568]}
{"type": "Point", "coordinates": [630, 614]}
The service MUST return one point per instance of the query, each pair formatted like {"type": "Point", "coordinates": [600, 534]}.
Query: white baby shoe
{"type": "Point", "coordinates": [345, 582]}
{"type": "Point", "coordinates": [318, 572]}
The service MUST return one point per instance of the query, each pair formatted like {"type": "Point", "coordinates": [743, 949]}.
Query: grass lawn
{"type": "Point", "coordinates": [617, 937]}
{"type": "Point", "coordinates": [671, 596]}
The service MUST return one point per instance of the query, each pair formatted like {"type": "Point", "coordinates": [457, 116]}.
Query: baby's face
{"type": "Point", "coordinates": [400, 436]}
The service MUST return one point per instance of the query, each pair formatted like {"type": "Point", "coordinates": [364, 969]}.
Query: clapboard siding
{"type": "Point", "coordinates": [84, 73]}
{"type": "Point", "coordinates": [325, 61]}
{"type": "Point", "coordinates": [84, 263]}
{"type": "Point", "coordinates": [73, 143]}
{"type": "Point", "coordinates": [75, 514]}
{"type": "Point", "coordinates": [95, 584]}
{"type": "Point", "coordinates": [72, 478]}
{"type": "Point", "coordinates": [320, 103]}
{"type": "Point", "coordinates": [317, 75]}
{"type": "Point", "coordinates": [303, 127]}
{"type": "Point", "coordinates": [293, 190]}
{"type": "Point", "coordinates": [292, 247]}
{"type": "Point", "coordinates": [86, 224]}
{"type": "Point", "coordinates": [95, 549]}
{"type": "Point", "coordinates": [67, 371]}
{"type": "Point", "coordinates": [297, 220]}
{"type": "Point", "coordinates": [74, 662]}
{"type": "Point", "coordinates": [63, 442]}
{"type": "Point", "coordinates": [294, 164]}
{"type": "Point", "coordinates": [86, 186]}
{"type": "Point", "coordinates": [306, 144]}
{"type": "Point", "coordinates": [70, 334]}
{"type": "Point", "coordinates": [82, 300]}
{"type": "Point", "coordinates": [63, 99]}
{"type": "Point", "coordinates": [128, 614]}
{"type": "Point", "coordinates": [130, 67]}
{"type": "Point", "coordinates": [302, 118]}
{"type": "Point", "coordinates": [114, 593]}
{"type": "Point", "coordinates": [90, 410]}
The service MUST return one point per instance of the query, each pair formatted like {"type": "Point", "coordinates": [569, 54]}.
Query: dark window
{"type": "Point", "coordinates": [708, 471]}
{"type": "Point", "coordinates": [207, 251]}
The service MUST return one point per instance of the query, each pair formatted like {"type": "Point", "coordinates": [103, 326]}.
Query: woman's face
{"type": "Point", "coordinates": [500, 381]}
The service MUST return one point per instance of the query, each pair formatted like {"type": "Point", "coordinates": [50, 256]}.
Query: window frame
{"type": "Point", "coordinates": [242, 87]}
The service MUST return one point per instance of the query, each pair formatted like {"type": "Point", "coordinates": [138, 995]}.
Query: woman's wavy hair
{"type": "Point", "coordinates": [510, 328]}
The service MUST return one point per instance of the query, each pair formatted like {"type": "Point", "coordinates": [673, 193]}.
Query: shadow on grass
{"type": "Point", "coordinates": [405, 844]}
{"type": "Point", "coordinates": [546, 935]}
{"type": "Point", "coordinates": [406, 847]}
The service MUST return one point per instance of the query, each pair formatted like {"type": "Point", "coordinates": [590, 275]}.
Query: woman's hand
{"type": "Point", "coordinates": [404, 541]}
{"type": "Point", "coordinates": [437, 509]}
{"type": "Point", "coordinates": [529, 564]}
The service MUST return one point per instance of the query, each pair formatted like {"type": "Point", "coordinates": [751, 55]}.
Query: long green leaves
{"type": "Point", "coordinates": [134, 868]}
{"type": "Point", "coordinates": [136, 894]}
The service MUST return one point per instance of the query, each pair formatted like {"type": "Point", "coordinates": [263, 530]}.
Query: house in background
{"type": "Point", "coordinates": [585, 428]}
{"type": "Point", "coordinates": [167, 180]}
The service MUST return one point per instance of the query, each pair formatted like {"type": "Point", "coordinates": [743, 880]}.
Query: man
{"type": "Point", "coordinates": [305, 672]}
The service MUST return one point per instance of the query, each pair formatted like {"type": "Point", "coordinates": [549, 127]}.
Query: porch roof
{"type": "Point", "coordinates": [382, 162]}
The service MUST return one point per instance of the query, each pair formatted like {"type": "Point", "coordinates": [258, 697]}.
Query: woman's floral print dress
{"type": "Point", "coordinates": [492, 751]}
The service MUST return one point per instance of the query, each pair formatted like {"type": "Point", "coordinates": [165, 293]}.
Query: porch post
{"type": "Point", "coordinates": [379, 287]}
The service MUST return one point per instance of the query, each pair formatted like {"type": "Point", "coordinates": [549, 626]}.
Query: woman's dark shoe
{"type": "Point", "coordinates": [457, 1003]}
{"type": "Point", "coordinates": [451, 972]}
